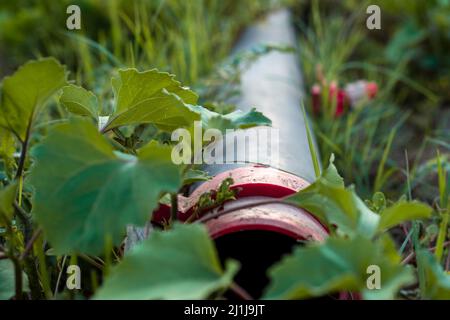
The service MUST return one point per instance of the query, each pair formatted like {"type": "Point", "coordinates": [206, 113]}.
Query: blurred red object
{"type": "Point", "coordinates": [315, 92]}
{"type": "Point", "coordinates": [350, 96]}
{"type": "Point", "coordinates": [371, 89]}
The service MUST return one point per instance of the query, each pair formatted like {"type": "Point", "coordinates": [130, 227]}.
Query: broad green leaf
{"type": "Point", "coordinates": [151, 97]}
{"type": "Point", "coordinates": [178, 264]}
{"type": "Point", "coordinates": [333, 204]}
{"type": "Point", "coordinates": [26, 91]}
{"type": "Point", "coordinates": [437, 282]}
{"type": "Point", "coordinates": [85, 193]}
{"type": "Point", "coordinates": [7, 149]}
{"type": "Point", "coordinates": [132, 87]}
{"type": "Point", "coordinates": [403, 211]}
{"type": "Point", "coordinates": [194, 175]}
{"type": "Point", "coordinates": [251, 118]}
{"type": "Point", "coordinates": [7, 280]}
{"type": "Point", "coordinates": [234, 120]}
{"type": "Point", "coordinates": [7, 144]}
{"type": "Point", "coordinates": [337, 265]}
{"type": "Point", "coordinates": [7, 284]}
{"type": "Point", "coordinates": [79, 101]}
{"type": "Point", "coordinates": [7, 197]}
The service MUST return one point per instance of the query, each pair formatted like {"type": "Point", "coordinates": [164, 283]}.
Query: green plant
{"type": "Point", "coordinates": [78, 190]}
{"type": "Point", "coordinates": [367, 137]}
{"type": "Point", "coordinates": [79, 168]}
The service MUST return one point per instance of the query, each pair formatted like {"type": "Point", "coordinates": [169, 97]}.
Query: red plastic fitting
{"type": "Point", "coordinates": [253, 183]}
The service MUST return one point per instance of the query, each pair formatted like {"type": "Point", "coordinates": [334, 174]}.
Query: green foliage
{"type": "Point", "coordinates": [26, 92]}
{"type": "Point", "coordinates": [151, 97]}
{"type": "Point", "coordinates": [185, 38]}
{"type": "Point", "coordinates": [422, 36]}
{"type": "Point", "coordinates": [312, 149]}
{"type": "Point", "coordinates": [178, 264]}
{"type": "Point", "coordinates": [437, 281]}
{"type": "Point", "coordinates": [215, 198]}
{"type": "Point", "coordinates": [140, 97]}
{"type": "Point", "coordinates": [6, 279]}
{"type": "Point", "coordinates": [404, 42]}
{"type": "Point", "coordinates": [79, 101]}
{"type": "Point", "coordinates": [403, 211]}
{"type": "Point", "coordinates": [444, 205]}
{"type": "Point", "coordinates": [7, 197]}
{"type": "Point", "coordinates": [337, 265]}
{"type": "Point", "coordinates": [89, 186]}
{"type": "Point", "coordinates": [334, 204]}
{"type": "Point", "coordinates": [83, 188]}
{"type": "Point", "coordinates": [7, 147]}
{"type": "Point", "coordinates": [378, 202]}
{"type": "Point", "coordinates": [194, 175]}
{"type": "Point", "coordinates": [234, 120]}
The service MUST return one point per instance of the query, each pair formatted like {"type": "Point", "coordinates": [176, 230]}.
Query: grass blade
{"type": "Point", "coordinates": [312, 149]}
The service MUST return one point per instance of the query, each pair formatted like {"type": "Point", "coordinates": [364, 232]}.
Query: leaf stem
{"type": "Point", "coordinates": [20, 190]}
{"type": "Point", "coordinates": [26, 256]}
{"type": "Point", "coordinates": [443, 210]}
{"type": "Point", "coordinates": [240, 292]}
{"type": "Point", "coordinates": [63, 263]}
{"type": "Point", "coordinates": [415, 230]}
{"type": "Point", "coordinates": [413, 253]}
{"type": "Point", "coordinates": [30, 243]}
{"type": "Point", "coordinates": [23, 153]}
{"type": "Point", "coordinates": [18, 277]}
{"type": "Point", "coordinates": [91, 261]}
{"type": "Point", "coordinates": [43, 271]}
{"type": "Point", "coordinates": [25, 219]}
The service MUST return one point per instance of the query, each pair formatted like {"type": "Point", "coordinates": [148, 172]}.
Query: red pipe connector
{"type": "Point", "coordinates": [253, 183]}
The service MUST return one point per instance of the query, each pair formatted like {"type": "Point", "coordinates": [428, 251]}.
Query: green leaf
{"type": "Point", "coordinates": [7, 284]}
{"type": "Point", "coordinates": [332, 176]}
{"type": "Point", "coordinates": [403, 211]}
{"type": "Point", "coordinates": [85, 193]}
{"type": "Point", "coordinates": [252, 118]}
{"type": "Point", "coordinates": [194, 175]}
{"type": "Point", "coordinates": [437, 282]}
{"type": "Point", "coordinates": [7, 197]}
{"type": "Point", "coordinates": [312, 149]}
{"type": "Point", "coordinates": [234, 120]}
{"type": "Point", "coordinates": [337, 265]}
{"type": "Point", "coordinates": [79, 101]}
{"type": "Point", "coordinates": [7, 144]}
{"type": "Point", "coordinates": [7, 149]}
{"type": "Point", "coordinates": [7, 280]}
{"type": "Point", "coordinates": [178, 264]}
{"type": "Point", "coordinates": [378, 202]}
{"type": "Point", "coordinates": [403, 44]}
{"type": "Point", "coordinates": [151, 97]}
{"type": "Point", "coordinates": [333, 204]}
{"type": "Point", "coordinates": [26, 91]}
